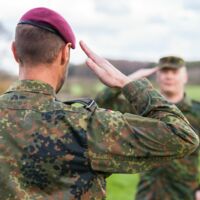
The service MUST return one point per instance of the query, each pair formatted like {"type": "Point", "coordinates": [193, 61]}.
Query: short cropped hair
{"type": "Point", "coordinates": [35, 45]}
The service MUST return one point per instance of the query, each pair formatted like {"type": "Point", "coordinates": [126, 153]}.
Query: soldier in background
{"type": "Point", "coordinates": [179, 179]}
{"type": "Point", "coordinates": [55, 150]}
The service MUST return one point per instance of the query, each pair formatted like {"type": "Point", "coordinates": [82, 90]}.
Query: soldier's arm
{"type": "Point", "coordinates": [127, 143]}
{"type": "Point", "coordinates": [131, 143]}
{"type": "Point", "coordinates": [112, 98]}
{"type": "Point", "coordinates": [106, 97]}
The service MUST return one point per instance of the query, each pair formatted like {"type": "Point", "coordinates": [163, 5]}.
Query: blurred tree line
{"type": "Point", "coordinates": [128, 67]}
{"type": "Point", "coordinates": [82, 81]}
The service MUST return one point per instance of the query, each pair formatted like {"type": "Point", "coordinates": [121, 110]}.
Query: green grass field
{"type": "Point", "coordinates": [121, 186]}
{"type": "Point", "coordinates": [193, 91]}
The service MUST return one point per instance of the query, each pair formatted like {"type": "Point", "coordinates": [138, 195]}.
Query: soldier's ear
{"type": "Point", "coordinates": [14, 51]}
{"type": "Point", "coordinates": [157, 76]}
{"type": "Point", "coordinates": [186, 78]}
{"type": "Point", "coordinates": [185, 75]}
{"type": "Point", "coordinates": [65, 54]}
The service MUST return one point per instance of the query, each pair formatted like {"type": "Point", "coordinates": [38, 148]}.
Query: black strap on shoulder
{"type": "Point", "coordinates": [89, 104]}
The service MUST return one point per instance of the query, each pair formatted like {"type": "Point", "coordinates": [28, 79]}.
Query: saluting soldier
{"type": "Point", "coordinates": [54, 150]}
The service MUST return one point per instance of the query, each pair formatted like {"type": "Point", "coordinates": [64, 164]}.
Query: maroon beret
{"type": "Point", "coordinates": [50, 20]}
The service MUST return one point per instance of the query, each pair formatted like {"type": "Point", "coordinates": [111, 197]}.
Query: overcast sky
{"type": "Point", "coordinates": [142, 30]}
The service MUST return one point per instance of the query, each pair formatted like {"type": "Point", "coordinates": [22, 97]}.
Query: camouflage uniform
{"type": "Point", "coordinates": [174, 181]}
{"type": "Point", "coordinates": [179, 179]}
{"type": "Point", "coordinates": [51, 150]}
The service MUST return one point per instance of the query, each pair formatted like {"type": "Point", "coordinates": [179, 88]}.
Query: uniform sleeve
{"type": "Point", "coordinates": [128, 143]}
{"type": "Point", "coordinates": [112, 98]}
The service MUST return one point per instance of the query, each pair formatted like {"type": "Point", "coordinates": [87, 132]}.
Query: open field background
{"type": "Point", "coordinates": [120, 186]}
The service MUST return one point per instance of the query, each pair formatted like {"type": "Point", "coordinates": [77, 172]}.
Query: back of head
{"type": "Point", "coordinates": [40, 34]}
{"type": "Point", "coordinates": [35, 46]}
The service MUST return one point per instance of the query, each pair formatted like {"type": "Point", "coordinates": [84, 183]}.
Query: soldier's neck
{"type": "Point", "coordinates": [41, 73]}
{"type": "Point", "coordinates": [174, 98]}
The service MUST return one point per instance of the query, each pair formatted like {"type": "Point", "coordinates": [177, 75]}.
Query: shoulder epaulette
{"type": "Point", "coordinates": [87, 103]}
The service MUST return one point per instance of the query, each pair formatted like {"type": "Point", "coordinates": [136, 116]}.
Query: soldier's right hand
{"type": "Point", "coordinates": [106, 72]}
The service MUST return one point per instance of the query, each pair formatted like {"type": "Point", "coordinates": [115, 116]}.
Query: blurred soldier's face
{"type": "Point", "coordinates": [172, 81]}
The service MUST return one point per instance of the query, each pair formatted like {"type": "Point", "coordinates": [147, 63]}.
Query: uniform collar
{"type": "Point", "coordinates": [185, 104]}
{"type": "Point", "coordinates": [33, 86]}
